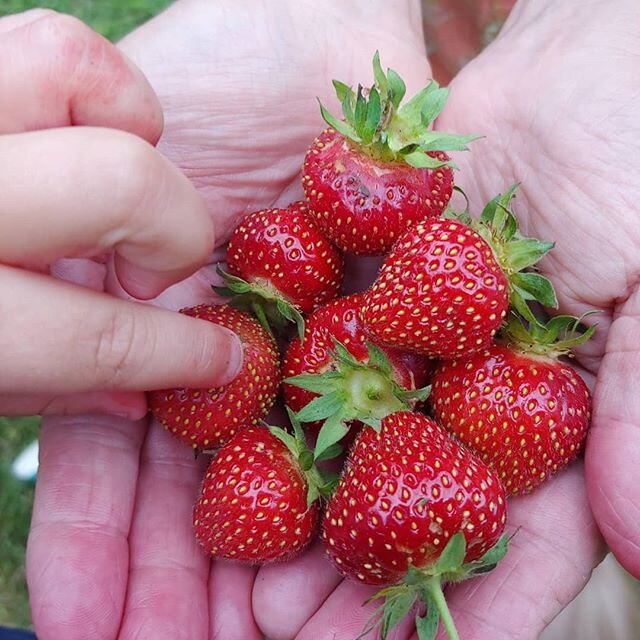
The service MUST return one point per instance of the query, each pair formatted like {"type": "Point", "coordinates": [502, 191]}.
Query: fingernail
{"type": "Point", "coordinates": [234, 356]}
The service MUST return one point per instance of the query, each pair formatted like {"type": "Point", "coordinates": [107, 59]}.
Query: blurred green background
{"type": "Point", "coordinates": [112, 18]}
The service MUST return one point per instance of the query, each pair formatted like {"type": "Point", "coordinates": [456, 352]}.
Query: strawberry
{"type": "Point", "coordinates": [336, 375]}
{"type": "Point", "coordinates": [446, 286]}
{"type": "Point", "coordinates": [522, 410]}
{"type": "Point", "coordinates": [258, 501]}
{"type": "Point", "coordinates": [280, 265]}
{"type": "Point", "coordinates": [369, 177]}
{"type": "Point", "coordinates": [207, 418]}
{"type": "Point", "coordinates": [339, 320]}
{"type": "Point", "coordinates": [411, 507]}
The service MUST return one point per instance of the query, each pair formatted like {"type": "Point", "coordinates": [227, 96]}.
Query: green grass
{"type": "Point", "coordinates": [16, 499]}
{"type": "Point", "coordinates": [112, 18]}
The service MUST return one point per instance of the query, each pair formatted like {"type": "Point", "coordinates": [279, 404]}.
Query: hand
{"type": "Point", "coordinates": [83, 192]}
{"type": "Point", "coordinates": [111, 553]}
{"type": "Point", "coordinates": [148, 552]}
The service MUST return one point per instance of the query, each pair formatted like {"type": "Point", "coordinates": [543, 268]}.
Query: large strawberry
{"type": "Point", "coordinates": [280, 265]}
{"type": "Point", "coordinates": [258, 501]}
{"type": "Point", "coordinates": [525, 412]}
{"type": "Point", "coordinates": [336, 375]}
{"type": "Point", "coordinates": [414, 508]}
{"type": "Point", "coordinates": [207, 418]}
{"type": "Point", "coordinates": [381, 169]}
{"type": "Point", "coordinates": [446, 286]}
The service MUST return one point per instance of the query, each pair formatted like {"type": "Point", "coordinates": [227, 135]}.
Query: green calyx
{"type": "Point", "coordinates": [319, 485]}
{"type": "Point", "coordinates": [426, 585]}
{"type": "Point", "coordinates": [556, 337]}
{"type": "Point", "coordinates": [377, 124]}
{"type": "Point", "coordinates": [266, 303]}
{"type": "Point", "coordinates": [350, 391]}
{"type": "Point", "coordinates": [517, 255]}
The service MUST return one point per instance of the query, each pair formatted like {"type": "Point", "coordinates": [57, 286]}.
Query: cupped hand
{"type": "Point", "coordinates": [111, 552]}
{"type": "Point", "coordinates": [558, 105]}
{"type": "Point", "coordinates": [237, 82]}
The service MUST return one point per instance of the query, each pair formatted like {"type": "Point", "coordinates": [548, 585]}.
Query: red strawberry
{"type": "Point", "coordinates": [254, 503]}
{"type": "Point", "coordinates": [411, 505]}
{"type": "Point", "coordinates": [281, 262]}
{"type": "Point", "coordinates": [207, 418]}
{"type": "Point", "coordinates": [371, 176]}
{"type": "Point", "coordinates": [357, 381]}
{"type": "Point", "coordinates": [521, 409]}
{"type": "Point", "coordinates": [338, 320]}
{"type": "Point", "coordinates": [445, 288]}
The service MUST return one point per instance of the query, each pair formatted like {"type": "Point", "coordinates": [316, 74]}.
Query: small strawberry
{"type": "Point", "coordinates": [382, 169]}
{"type": "Point", "coordinates": [521, 409]}
{"type": "Point", "coordinates": [339, 321]}
{"type": "Point", "coordinates": [336, 375]}
{"type": "Point", "coordinates": [280, 265]}
{"type": "Point", "coordinates": [207, 418]}
{"type": "Point", "coordinates": [446, 286]}
{"type": "Point", "coordinates": [258, 501]}
{"type": "Point", "coordinates": [414, 508]}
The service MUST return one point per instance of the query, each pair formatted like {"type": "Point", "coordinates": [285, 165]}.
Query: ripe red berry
{"type": "Point", "coordinates": [207, 418]}
{"type": "Point", "coordinates": [282, 256]}
{"type": "Point", "coordinates": [337, 379]}
{"type": "Point", "coordinates": [369, 177]}
{"type": "Point", "coordinates": [364, 203]}
{"type": "Point", "coordinates": [253, 503]}
{"type": "Point", "coordinates": [404, 493]}
{"type": "Point", "coordinates": [414, 508]}
{"type": "Point", "coordinates": [339, 320]}
{"type": "Point", "coordinates": [446, 287]}
{"type": "Point", "coordinates": [526, 415]}
{"type": "Point", "coordinates": [440, 292]}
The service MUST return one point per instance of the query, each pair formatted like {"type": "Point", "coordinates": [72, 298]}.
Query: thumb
{"type": "Point", "coordinates": [613, 447]}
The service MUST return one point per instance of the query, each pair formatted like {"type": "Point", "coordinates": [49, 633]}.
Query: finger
{"type": "Point", "coordinates": [286, 596]}
{"type": "Point", "coordinates": [167, 595]}
{"type": "Point", "coordinates": [123, 404]}
{"type": "Point", "coordinates": [613, 446]}
{"type": "Point", "coordinates": [108, 190]}
{"type": "Point", "coordinates": [231, 618]}
{"type": "Point", "coordinates": [116, 344]}
{"type": "Point", "coordinates": [17, 20]}
{"type": "Point", "coordinates": [77, 554]}
{"type": "Point", "coordinates": [549, 561]}
{"type": "Point", "coordinates": [76, 77]}
{"type": "Point", "coordinates": [345, 615]}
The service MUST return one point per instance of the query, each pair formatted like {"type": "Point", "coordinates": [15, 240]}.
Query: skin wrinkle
{"type": "Point", "coordinates": [89, 615]}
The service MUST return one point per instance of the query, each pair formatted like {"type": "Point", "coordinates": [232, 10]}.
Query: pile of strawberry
{"type": "Point", "coordinates": [441, 382]}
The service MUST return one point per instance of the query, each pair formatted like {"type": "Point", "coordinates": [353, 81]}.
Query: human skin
{"type": "Point", "coordinates": [548, 126]}
{"type": "Point", "coordinates": [86, 192]}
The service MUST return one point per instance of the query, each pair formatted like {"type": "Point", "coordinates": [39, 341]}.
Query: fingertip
{"type": "Point", "coordinates": [286, 596]}
{"type": "Point", "coordinates": [230, 357]}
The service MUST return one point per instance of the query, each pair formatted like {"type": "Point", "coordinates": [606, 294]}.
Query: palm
{"type": "Point", "coordinates": [574, 144]}
{"type": "Point", "coordinates": [240, 111]}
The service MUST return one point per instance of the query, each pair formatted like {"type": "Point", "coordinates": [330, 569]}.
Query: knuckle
{"type": "Point", "coordinates": [117, 346]}
{"type": "Point", "coordinates": [65, 36]}
{"type": "Point", "coordinates": [132, 173]}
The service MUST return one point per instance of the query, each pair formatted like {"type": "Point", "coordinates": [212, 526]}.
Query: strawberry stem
{"type": "Point", "coordinates": [433, 588]}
